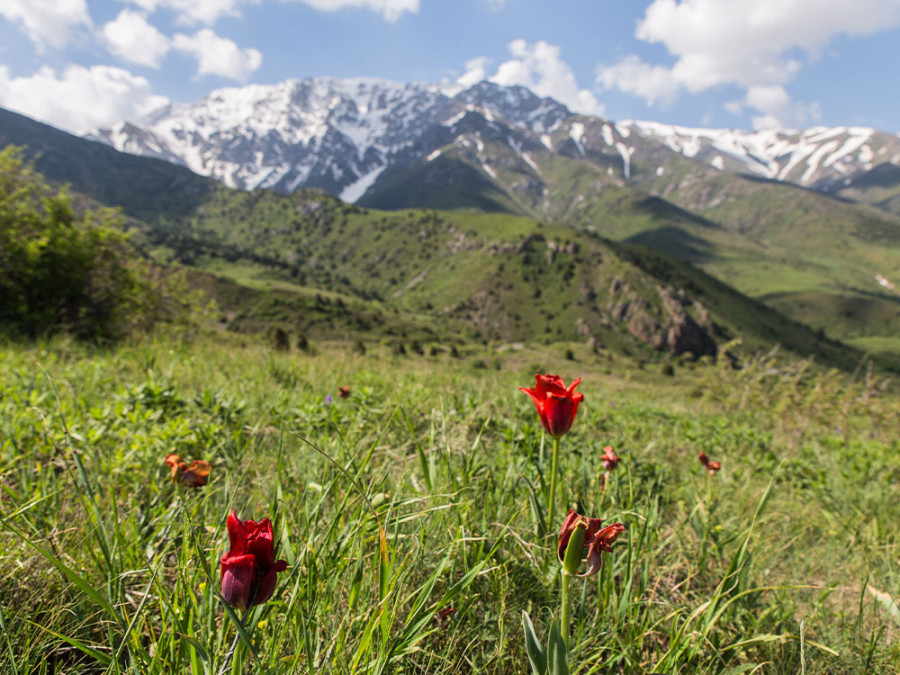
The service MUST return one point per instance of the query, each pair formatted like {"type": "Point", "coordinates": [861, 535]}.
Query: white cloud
{"type": "Point", "coordinates": [192, 12]}
{"type": "Point", "coordinates": [747, 44]}
{"type": "Point", "coordinates": [391, 10]}
{"type": "Point", "coordinates": [540, 68]}
{"type": "Point", "coordinates": [131, 37]}
{"type": "Point", "coordinates": [476, 71]}
{"type": "Point", "coordinates": [81, 99]}
{"type": "Point", "coordinates": [655, 84]}
{"type": "Point", "coordinates": [778, 110]}
{"type": "Point", "coordinates": [217, 55]}
{"type": "Point", "coordinates": [47, 22]}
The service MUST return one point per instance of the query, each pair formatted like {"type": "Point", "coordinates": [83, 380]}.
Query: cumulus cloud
{"type": "Point", "coordinates": [217, 55]}
{"type": "Point", "coordinates": [538, 67]}
{"type": "Point", "coordinates": [391, 10]}
{"type": "Point", "coordinates": [654, 84]}
{"type": "Point", "coordinates": [778, 110]}
{"type": "Point", "coordinates": [81, 98]}
{"type": "Point", "coordinates": [192, 12]}
{"type": "Point", "coordinates": [756, 44]}
{"type": "Point", "coordinates": [47, 22]}
{"type": "Point", "coordinates": [132, 38]}
{"type": "Point", "coordinates": [476, 71]}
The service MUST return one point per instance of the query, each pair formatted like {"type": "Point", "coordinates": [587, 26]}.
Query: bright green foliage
{"type": "Point", "coordinates": [785, 561]}
{"type": "Point", "coordinates": [67, 269]}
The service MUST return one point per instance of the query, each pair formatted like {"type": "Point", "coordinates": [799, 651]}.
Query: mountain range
{"type": "Point", "coordinates": [342, 135]}
{"type": "Point", "coordinates": [804, 221]}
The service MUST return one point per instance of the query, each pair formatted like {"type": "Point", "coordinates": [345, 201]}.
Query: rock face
{"type": "Point", "coordinates": [665, 327]}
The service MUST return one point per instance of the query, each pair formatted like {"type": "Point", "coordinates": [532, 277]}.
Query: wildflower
{"type": "Point", "coordinates": [328, 399]}
{"type": "Point", "coordinates": [344, 392]}
{"type": "Point", "coordinates": [249, 569]}
{"type": "Point", "coordinates": [581, 532]}
{"type": "Point", "coordinates": [193, 476]}
{"type": "Point", "coordinates": [556, 404]}
{"type": "Point", "coordinates": [710, 465]}
{"type": "Point", "coordinates": [610, 459]}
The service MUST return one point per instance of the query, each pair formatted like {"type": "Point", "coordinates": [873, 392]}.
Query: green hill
{"type": "Point", "coordinates": [313, 264]}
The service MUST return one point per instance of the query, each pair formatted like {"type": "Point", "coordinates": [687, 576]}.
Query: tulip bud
{"type": "Point", "coordinates": [574, 550]}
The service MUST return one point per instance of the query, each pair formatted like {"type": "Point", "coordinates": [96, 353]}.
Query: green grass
{"type": "Point", "coordinates": [786, 561]}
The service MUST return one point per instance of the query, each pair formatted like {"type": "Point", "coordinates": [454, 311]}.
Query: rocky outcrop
{"type": "Point", "coordinates": [667, 326]}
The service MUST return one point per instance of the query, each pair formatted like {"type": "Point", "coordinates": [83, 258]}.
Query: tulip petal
{"type": "Point", "coordinates": [237, 579]}
{"type": "Point", "coordinates": [237, 535]}
{"type": "Point", "coordinates": [261, 543]}
{"type": "Point", "coordinates": [267, 583]}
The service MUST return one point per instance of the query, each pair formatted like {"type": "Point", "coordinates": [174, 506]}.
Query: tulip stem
{"type": "Point", "coordinates": [565, 608]}
{"type": "Point", "coordinates": [233, 660]}
{"type": "Point", "coordinates": [551, 505]}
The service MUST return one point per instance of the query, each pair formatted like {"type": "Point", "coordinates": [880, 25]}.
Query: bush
{"type": "Point", "coordinates": [62, 270]}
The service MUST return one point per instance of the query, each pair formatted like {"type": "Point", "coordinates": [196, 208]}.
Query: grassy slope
{"type": "Point", "coordinates": [506, 277]}
{"type": "Point", "coordinates": [785, 561]}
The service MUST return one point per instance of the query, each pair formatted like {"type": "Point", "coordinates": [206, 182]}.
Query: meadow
{"type": "Point", "coordinates": [412, 515]}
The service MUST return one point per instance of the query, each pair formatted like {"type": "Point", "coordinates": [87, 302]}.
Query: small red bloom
{"type": "Point", "coordinates": [556, 404]}
{"type": "Point", "coordinates": [597, 539]}
{"type": "Point", "coordinates": [610, 459]}
{"type": "Point", "coordinates": [710, 465]}
{"type": "Point", "coordinates": [249, 568]}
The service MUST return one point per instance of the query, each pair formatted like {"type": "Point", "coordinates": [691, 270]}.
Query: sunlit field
{"type": "Point", "coordinates": [414, 513]}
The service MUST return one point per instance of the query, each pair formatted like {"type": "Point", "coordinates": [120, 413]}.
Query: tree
{"type": "Point", "coordinates": [62, 269]}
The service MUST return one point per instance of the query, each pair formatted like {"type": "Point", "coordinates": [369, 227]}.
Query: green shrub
{"type": "Point", "coordinates": [68, 270]}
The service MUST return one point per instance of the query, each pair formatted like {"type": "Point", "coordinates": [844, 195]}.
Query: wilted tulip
{"type": "Point", "coordinates": [556, 404]}
{"type": "Point", "coordinates": [249, 569]}
{"type": "Point", "coordinates": [190, 476]}
{"type": "Point", "coordinates": [710, 465]}
{"type": "Point", "coordinates": [610, 459]}
{"type": "Point", "coordinates": [596, 539]}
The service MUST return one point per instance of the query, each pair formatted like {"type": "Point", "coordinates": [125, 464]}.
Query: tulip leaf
{"type": "Point", "coordinates": [105, 659]}
{"type": "Point", "coordinates": [536, 656]}
{"type": "Point", "coordinates": [558, 661]}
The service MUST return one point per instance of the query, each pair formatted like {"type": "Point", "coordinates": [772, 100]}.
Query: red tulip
{"type": "Point", "coordinates": [710, 465]}
{"type": "Point", "coordinates": [556, 404]}
{"type": "Point", "coordinates": [249, 568]}
{"type": "Point", "coordinates": [597, 539]}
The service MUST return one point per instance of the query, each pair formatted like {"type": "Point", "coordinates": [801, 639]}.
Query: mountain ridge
{"type": "Point", "coordinates": [341, 134]}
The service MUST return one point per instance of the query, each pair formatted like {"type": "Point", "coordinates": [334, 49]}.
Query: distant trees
{"type": "Point", "coordinates": [62, 269]}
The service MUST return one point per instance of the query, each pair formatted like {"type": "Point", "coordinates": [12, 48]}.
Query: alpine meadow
{"type": "Point", "coordinates": [350, 376]}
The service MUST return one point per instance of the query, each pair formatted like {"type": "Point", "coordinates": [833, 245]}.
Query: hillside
{"type": "Point", "coordinates": [448, 275]}
{"type": "Point", "coordinates": [824, 261]}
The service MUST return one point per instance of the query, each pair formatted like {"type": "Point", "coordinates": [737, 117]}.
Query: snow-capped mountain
{"type": "Point", "coordinates": [335, 134]}
{"type": "Point", "coordinates": [342, 135]}
{"type": "Point", "coordinates": [823, 158]}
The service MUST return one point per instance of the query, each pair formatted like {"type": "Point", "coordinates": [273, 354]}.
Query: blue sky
{"type": "Point", "coordinates": [746, 64]}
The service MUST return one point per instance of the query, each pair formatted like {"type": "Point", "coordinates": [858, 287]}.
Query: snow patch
{"type": "Point", "coordinates": [576, 133]}
{"type": "Point", "coordinates": [607, 134]}
{"type": "Point", "coordinates": [882, 281]}
{"type": "Point", "coordinates": [358, 188]}
{"type": "Point", "coordinates": [626, 153]}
